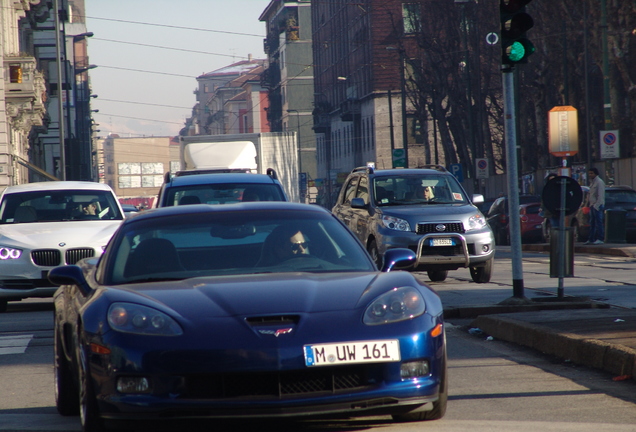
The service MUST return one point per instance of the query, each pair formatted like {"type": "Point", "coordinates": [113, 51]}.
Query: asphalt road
{"type": "Point", "coordinates": [494, 385]}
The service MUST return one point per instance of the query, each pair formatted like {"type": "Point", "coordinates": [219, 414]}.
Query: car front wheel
{"type": "Point", "coordinates": [372, 248]}
{"type": "Point", "coordinates": [482, 274]}
{"type": "Point", "coordinates": [437, 275]}
{"type": "Point", "coordinates": [89, 413]}
{"type": "Point", "coordinates": [66, 393]}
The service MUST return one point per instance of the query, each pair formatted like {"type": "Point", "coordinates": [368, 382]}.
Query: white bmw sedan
{"type": "Point", "coordinates": [44, 225]}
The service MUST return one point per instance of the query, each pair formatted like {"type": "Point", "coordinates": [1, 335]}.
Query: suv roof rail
{"type": "Point", "coordinates": [441, 168]}
{"type": "Point", "coordinates": [212, 171]}
{"type": "Point", "coordinates": [367, 169]}
{"type": "Point", "coordinates": [167, 177]}
{"type": "Point", "coordinates": [272, 173]}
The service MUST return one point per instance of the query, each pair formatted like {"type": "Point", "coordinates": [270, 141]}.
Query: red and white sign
{"type": "Point", "coordinates": [609, 144]}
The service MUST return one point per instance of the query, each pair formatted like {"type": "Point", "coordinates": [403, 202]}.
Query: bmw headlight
{"type": "Point", "coordinates": [394, 223]}
{"type": "Point", "coordinates": [399, 304]}
{"type": "Point", "coordinates": [137, 319]}
{"type": "Point", "coordinates": [8, 253]}
{"type": "Point", "coordinates": [476, 221]}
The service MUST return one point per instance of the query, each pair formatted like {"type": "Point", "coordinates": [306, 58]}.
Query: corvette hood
{"type": "Point", "coordinates": [51, 234]}
{"type": "Point", "coordinates": [272, 293]}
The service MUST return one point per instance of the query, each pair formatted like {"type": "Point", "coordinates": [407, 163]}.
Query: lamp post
{"type": "Point", "coordinates": [300, 163]}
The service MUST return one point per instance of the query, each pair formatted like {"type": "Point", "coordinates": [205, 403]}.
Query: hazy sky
{"type": "Point", "coordinates": [149, 53]}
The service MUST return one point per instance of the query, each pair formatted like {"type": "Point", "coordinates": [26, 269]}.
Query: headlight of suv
{"type": "Point", "coordinates": [476, 221]}
{"type": "Point", "coordinates": [7, 253]}
{"type": "Point", "coordinates": [133, 318]}
{"type": "Point", "coordinates": [395, 223]}
{"type": "Point", "coordinates": [399, 304]}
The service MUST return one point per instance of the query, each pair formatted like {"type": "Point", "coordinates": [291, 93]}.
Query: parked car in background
{"type": "Point", "coordinates": [499, 219]}
{"type": "Point", "coordinates": [43, 225]}
{"type": "Point", "coordinates": [390, 208]}
{"type": "Point", "coordinates": [252, 310]}
{"type": "Point", "coordinates": [192, 187]}
{"type": "Point", "coordinates": [620, 198]}
{"type": "Point", "coordinates": [485, 206]}
{"type": "Point", "coordinates": [129, 209]}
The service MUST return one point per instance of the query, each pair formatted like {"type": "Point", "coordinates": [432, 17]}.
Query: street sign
{"type": "Point", "coordinates": [609, 144]}
{"type": "Point", "coordinates": [482, 168]}
{"type": "Point", "coordinates": [563, 131]}
{"type": "Point", "coordinates": [456, 170]}
{"type": "Point", "coordinates": [399, 158]}
{"type": "Point", "coordinates": [551, 195]}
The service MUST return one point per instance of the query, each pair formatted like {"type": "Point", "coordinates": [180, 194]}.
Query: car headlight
{"type": "Point", "coordinates": [399, 304]}
{"type": "Point", "coordinates": [7, 253]}
{"type": "Point", "coordinates": [133, 318]}
{"type": "Point", "coordinates": [395, 223]}
{"type": "Point", "coordinates": [476, 221]}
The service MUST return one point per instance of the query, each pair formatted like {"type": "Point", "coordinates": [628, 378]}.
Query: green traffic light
{"type": "Point", "coordinates": [516, 51]}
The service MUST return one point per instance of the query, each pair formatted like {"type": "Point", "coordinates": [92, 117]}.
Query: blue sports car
{"type": "Point", "coordinates": [252, 310]}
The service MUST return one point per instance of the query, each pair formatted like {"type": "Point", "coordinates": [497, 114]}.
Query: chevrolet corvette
{"type": "Point", "coordinates": [252, 310]}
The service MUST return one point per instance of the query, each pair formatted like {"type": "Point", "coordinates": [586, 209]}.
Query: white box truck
{"type": "Point", "coordinates": [253, 152]}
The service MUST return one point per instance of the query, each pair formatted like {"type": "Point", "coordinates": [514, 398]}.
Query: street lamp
{"type": "Point", "coordinates": [405, 143]}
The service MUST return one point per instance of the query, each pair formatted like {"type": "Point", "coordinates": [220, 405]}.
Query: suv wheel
{"type": "Point", "coordinates": [437, 275]}
{"type": "Point", "coordinates": [482, 274]}
{"type": "Point", "coordinates": [372, 248]}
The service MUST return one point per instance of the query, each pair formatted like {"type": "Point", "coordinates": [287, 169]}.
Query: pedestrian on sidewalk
{"type": "Point", "coordinates": [596, 203]}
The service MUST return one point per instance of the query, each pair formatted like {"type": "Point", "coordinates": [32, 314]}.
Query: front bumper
{"type": "Point", "coordinates": [467, 250]}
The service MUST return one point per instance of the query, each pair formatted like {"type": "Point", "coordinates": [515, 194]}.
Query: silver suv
{"type": "Point", "coordinates": [425, 210]}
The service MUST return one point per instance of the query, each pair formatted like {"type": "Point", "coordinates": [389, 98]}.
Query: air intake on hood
{"type": "Point", "coordinates": [272, 320]}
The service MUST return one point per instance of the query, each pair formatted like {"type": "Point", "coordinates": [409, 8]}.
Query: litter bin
{"type": "Point", "coordinates": [556, 251]}
{"type": "Point", "coordinates": [615, 226]}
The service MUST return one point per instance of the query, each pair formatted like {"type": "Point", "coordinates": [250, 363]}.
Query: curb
{"type": "Point", "coordinates": [615, 359]}
{"type": "Point", "coordinates": [477, 311]}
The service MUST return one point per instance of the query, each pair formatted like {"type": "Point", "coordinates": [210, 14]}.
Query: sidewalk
{"type": "Point", "coordinates": [585, 332]}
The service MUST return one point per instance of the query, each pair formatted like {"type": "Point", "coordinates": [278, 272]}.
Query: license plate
{"type": "Point", "coordinates": [442, 242]}
{"type": "Point", "coordinates": [352, 352]}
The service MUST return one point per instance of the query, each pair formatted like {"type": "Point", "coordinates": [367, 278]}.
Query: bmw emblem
{"type": "Point", "coordinates": [440, 228]}
{"type": "Point", "coordinates": [61, 244]}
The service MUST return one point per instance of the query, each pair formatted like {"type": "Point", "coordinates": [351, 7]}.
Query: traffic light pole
{"type": "Point", "coordinates": [518, 296]}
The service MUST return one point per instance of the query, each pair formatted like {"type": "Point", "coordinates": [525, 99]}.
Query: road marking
{"type": "Point", "coordinates": [14, 344]}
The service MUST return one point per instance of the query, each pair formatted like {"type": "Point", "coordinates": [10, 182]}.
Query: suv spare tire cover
{"type": "Point", "coordinates": [551, 195]}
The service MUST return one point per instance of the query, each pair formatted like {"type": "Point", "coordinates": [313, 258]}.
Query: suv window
{"type": "Point", "coordinates": [416, 189]}
{"type": "Point", "coordinates": [222, 193]}
{"type": "Point", "coordinates": [351, 190]}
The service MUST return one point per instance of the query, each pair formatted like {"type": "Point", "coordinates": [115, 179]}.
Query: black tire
{"type": "Point", "coordinates": [482, 274]}
{"type": "Point", "coordinates": [439, 406]}
{"type": "Point", "coordinates": [437, 275]}
{"type": "Point", "coordinates": [66, 392]}
{"type": "Point", "coordinates": [89, 412]}
{"type": "Point", "coordinates": [372, 248]}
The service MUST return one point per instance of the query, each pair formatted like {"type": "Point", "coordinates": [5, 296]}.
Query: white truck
{"type": "Point", "coordinates": [253, 152]}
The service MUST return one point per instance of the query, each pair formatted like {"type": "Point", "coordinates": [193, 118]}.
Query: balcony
{"type": "Point", "coordinates": [25, 91]}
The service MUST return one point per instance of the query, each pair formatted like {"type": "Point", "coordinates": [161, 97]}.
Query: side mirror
{"type": "Point", "coordinates": [397, 259]}
{"type": "Point", "coordinates": [478, 198]}
{"type": "Point", "coordinates": [358, 203]}
{"type": "Point", "coordinates": [69, 275]}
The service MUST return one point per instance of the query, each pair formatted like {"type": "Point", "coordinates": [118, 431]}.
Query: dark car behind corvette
{"type": "Point", "coordinates": [188, 315]}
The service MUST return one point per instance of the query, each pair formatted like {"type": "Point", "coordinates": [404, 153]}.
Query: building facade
{"type": "Point", "coordinates": [289, 78]}
{"type": "Point", "coordinates": [360, 112]}
{"type": "Point", "coordinates": [135, 167]}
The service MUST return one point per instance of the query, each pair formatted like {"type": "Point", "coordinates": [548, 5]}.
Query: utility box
{"type": "Point", "coordinates": [615, 226]}
{"type": "Point", "coordinates": [557, 257]}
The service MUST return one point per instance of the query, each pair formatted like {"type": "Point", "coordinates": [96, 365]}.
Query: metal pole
{"type": "Point", "coordinates": [405, 129]}
{"type": "Point", "coordinates": [61, 129]}
{"type": "Point", "coordinates": [588, 120]}
{"type": "Point", "coordinates": [513, 186]}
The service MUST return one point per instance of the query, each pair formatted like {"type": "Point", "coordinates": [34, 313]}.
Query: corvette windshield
{"type": "Point", "coordinates": [232, 243]}
{"type": "Point", "coordinates": [56, 206]}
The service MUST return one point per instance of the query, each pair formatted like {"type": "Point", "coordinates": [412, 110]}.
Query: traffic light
{"type": "Point", "coordinates": [515, 22]}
